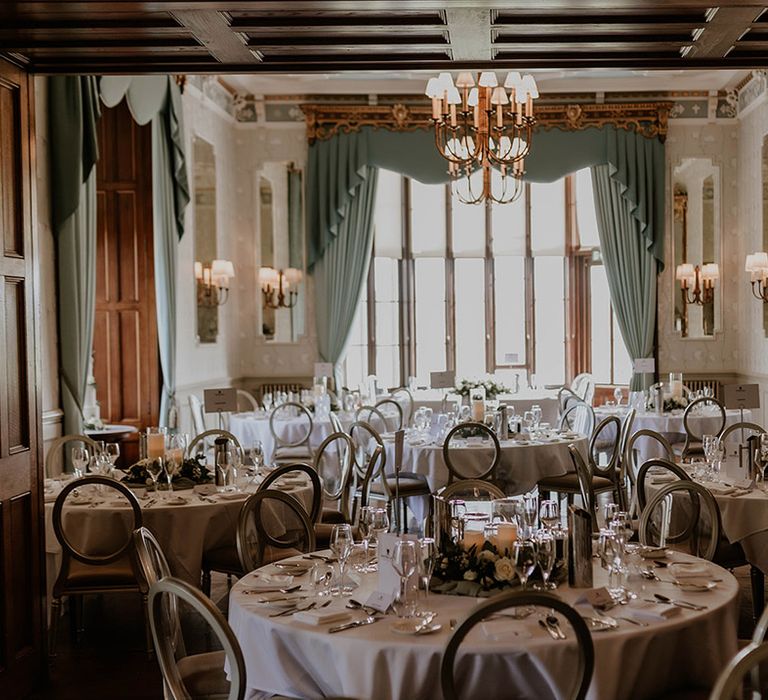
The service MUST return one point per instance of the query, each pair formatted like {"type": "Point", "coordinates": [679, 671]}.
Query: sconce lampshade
{"type": "Point", "coordinates": [268, 276]}
{"type": "Point", "coordinates": [198, 270]}
{"type": "Point", "coordinates": [710, 271]}
{"type": "Point", "coordinates": [685, 272]}
{"type": "Point", "coordinates": [222, 268]}
{"type": "Point", "coordinates": [293, 276]}
{"type": "Point", "coordinates": [756, 262]}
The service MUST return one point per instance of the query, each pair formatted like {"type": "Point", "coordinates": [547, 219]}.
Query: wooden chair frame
{"type": "Point", "coordinates": [311, 472]}
{"type": "Point", "coordinates": [453, 472]}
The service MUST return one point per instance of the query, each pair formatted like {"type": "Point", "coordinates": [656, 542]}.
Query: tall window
{"type": "Point", "coordinates": [491, 289]}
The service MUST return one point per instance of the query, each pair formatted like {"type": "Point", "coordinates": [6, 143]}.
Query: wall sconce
{"type": "Point", "coordinates": [276, 287]}
{"type": "Point", "coordinates": [697, 284]}
{"type": "Point", "coordinates": [757, 266]}
{"type": "Point", "coordinates": [213, 282]}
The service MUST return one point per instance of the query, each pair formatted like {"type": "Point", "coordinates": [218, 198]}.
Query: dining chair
{"type": "Point", "coordinates": [373, 416]}
{"type": "Point", "coordinates": [57, 447]}
{"type": "Point", "coordinates": [272, 526]}
{"type": "Point", "coordinates": [742, 431]}
{"type": "Point", "coordinates": [206, 435]}
{"type": "Point", "coordinates": [663, 471]}
{"type": "Point", "coordinates": [579, 417]}
{"type": "Point", "coordinates": [583, 385]}
{"type": "Point", "coordinates": [731, 681]}
{"type": "Point", "coordinates": [629, 463]}
{"type": "Point", "coordinates": [382, 403]}
{"type": "Point", "coordinates": [451, 451]}
{"type": "Point", "coordinates": [471, 490]}
{"type": "Point", "coordinates": [565, 397]}
{"type": "Point", "coordinates": [198, 417]}
{"type": "Point", "coordinates": [580, 662]}
{"type": "Point", "coordinates": [334, 462]}
{"type": "Point", "coordinates": [246, 401]}
{"type": "Point", "coordinates": [112, 568]}
{"type": "Point", "coordinates": [194, 675]}
{"type": "Point", "coordinates": [372, 472]}
{"type": "Point", "coordinates": [693, 442]}
{"type": "Point", "coordinates": [336, 424]}
{"type": "Point", "coordinates": [310, 473]}
{"type": "Point", "coordinates": [599, 478]}
{"type": "Point", "coordinates": [297, 450]}
{"type": "Point", "coordinates": [684, 516]}
{"type": "Point", "coordinates": [404, 397]}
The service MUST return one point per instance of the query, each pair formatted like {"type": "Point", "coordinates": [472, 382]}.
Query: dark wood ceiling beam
{"type": "Point", "coordinates": [723, 31]}
{"type": "Point", "coordinates": [159, 22]}
{"type": "Point", "coordinates": [311, 28]}
{"type": "Point", "coordinates": [212, 30]}
{"type": "Point", "coordinates": [336, 22]}
{"type": "Point", "coordinates": [607, 16]}
{"type": "Point", "coordinates": [394, 42]}
{"type": "Point", "coordinates": [565, 46]}
{"type": "Point", "coordinates": [543, 30]}
{"type": "Point", "coordinates": [341, 51]}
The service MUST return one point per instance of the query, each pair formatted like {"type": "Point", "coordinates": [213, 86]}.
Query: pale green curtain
{"type": "Point", "coordinates": [73, 110]}
{"type": "Point", "coordinates": [630, 266]}
{"type": "Point", "coordinates": [340, 274]}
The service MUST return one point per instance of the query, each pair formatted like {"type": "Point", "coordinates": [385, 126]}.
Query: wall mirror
{"type": "Point", "coordinates": [205, 237]}
{"type": "Point", "coordinates": [697, 240]}
{"type": "Point", "coordinates": [764, 237]}
{"type": "Point", "coordinates": [281, 251]}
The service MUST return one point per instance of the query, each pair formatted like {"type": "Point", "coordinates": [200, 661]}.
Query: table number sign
{"type": "Point", "coordinates": [220, 400]}
{"type": "Point", "coordinates": [644, 365]}
{"type": "Point", "coordinates": [742, 396]}
{"type": "Point", "coordinates": [324, 369]}
{"type": "Point", "coordinates": [442, 380]}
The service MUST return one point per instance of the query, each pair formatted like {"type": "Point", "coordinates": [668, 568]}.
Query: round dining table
{"type": "Point", "coordinates": [252, 426]}
{"type": "Point", "coordinates": [637, 660]}
{"type": "Point", "coordinates": [523, 462]}
{"type": "Point", "coordinates": [670, 425]}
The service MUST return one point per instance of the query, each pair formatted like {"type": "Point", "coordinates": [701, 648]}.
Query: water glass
{"type": "Point", "coordinates": [427, 562]}
{"type": "Point", "coordinates": [405, 561]}
{"type": "Point", "coordinates": [80, 459]}
{"type": "Point", "coordinates": [536, 412]}
{"type": "Point", "coordinates": [341, 546]}
{"type": "Point", "coordinates": [545, 556]}
{"type": "Point", "coordinates": [549, 513]}
{"type": "Point", "coordinates": [113, 452]}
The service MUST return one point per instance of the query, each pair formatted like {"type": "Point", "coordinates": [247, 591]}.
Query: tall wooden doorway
{"type": "Point", "coordinates": [21, 551]}
{"type": "Point", "coordinates": [126, 361]}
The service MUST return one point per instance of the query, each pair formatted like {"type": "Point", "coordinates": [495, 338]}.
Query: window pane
{"type": "Point", "coordinates": [430, 317]}
{"type": "Point", "coordinates": [549, 290]}
{"type": "Point", "coordinates": [585, 209]}
{"type": "Point", "coordinates": [356, 362]}
{"type": "Point", "coordinates": [427, 219]}
{"type": "Point", "coordinates": [508, 227]}
{"type": "Point", "coordinates": [469, 225]}
{"type": "Point", "coordinates": [509, 274]}
{"type": "Point", "coordinates": [622, 362]}
{"type": "Point", "coordinates": [470, 318]}
{"type": "Point", "coordinates": [548, 218]}
{"type": "Point", "coordinates": [601, 325]}
{"type": "Point", "coordinates": [387, 321]}
{"type": "Point", "coordinates": [388, 215]}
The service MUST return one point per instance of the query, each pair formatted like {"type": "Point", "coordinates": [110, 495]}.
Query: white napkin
{"type": "Point", "coordinates": [656, 480]}
{"type": "Point", "coordinates": [234, 496]}
{"type": "Point", "coordinates": [650, 612]}
{"type": "Point", "coordinates": [321, 617]}
{"type": "Point", "coordinates": [686, 570]}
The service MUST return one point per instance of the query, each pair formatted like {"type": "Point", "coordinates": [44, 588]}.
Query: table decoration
{"type": "Point", "coordinates": [192, 471]}
{"type": "Point", "coordinates": [492, 389]}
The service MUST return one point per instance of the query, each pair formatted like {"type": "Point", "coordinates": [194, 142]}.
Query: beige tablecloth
{"type": "Point", "coordinates": [291, 658]}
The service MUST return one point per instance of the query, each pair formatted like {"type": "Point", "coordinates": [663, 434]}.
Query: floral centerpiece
{"type": "Point", "coordinates": [673, 404]}
{"type": "Point", "coordinates": [492, 388]}
{"type": "Point", "coordinates": [473, 571]}
{"type": "Point", "coordinates": [192, 472]}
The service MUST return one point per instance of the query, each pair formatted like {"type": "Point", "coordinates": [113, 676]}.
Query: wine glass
{"type": "Point", "coordinates": [545, 556]}
{"type": "Point", "coordinates": [80, 459]}
{"type": "Point", "coordinates": [405, 561]}
{"type": "Point", "coordinates": [427, 564]}
{"type": "Point", "coordinates": [609, 511]}
{"type": "Point", "coordinates": [154, 469]}
{"type": "Point", "coordinates": [528, 422]}
{"type": "Point", "coordinates": [113, 452]}
{"type": "Point", "coordinates": [224, 468]}
{"type": "Point", "coordinates": [618, 394]}
{"type": "Point", "coordinates": [549, 513]}
{"type": "Point", "coordinates": [708, 443]}
{"type": "Point", "coordinates": [524, 552]}
{"type": "Point", "coordinates": [718, 455]}
{"type": "Point", "coordinates": [236, 463]}
{"type": "Point", "coordinates": [536, 412]}
{"type": "Point", "coordinates": [341, 546]}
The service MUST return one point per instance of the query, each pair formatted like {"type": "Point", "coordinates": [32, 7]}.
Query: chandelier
{"type": "Point", "coordinates": [276, 287]}
{"type": "Point", "coordinates": [697, 284]}
{"type": "Point", "coordinates": [757, 266]}
{"type": "Point", "coordinates": [483, 127]}
{"type": "Point", "coordinates": [213, 282]}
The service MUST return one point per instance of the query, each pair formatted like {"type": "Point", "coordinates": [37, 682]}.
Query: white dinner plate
{"type": "Point", "coordinates": [408, 626]}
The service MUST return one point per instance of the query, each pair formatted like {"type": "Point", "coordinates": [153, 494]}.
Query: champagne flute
{"type": "Point", "coordinates": [549, 514]}
{"type": "Point", "coordinates": [366, 531]}
{"type": "Point", "coordinates": [405, 560]}
{"type": "Point", "coordinates": [545, 556]}
{"type": "Point", "coordinates": [154, 469]}
{"type": "Point", "coordinates": [113, 452]}
{"type": "Point", "coordinates": [525, 560]}
{"type": "Point", "coordinates": [80, 459]}
{"type": "Point", "coordinates": [618, 394]}
{"type": "Point", "coordinates": [256, 455]}
{"type": "Point", "coordinates": [427, 565]}
{"type": "Point", "coordinates": [236, 462]}
{"type": "Point", "coordinates": [341, 546]}
{"type": "Point", "coordinates": [224, 468]}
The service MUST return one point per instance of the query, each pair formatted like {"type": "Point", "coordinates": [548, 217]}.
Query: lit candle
{"type": "Point", "coordinates": [473, 537]}
{"type": "Point", "coordinates": [506, 536]}
{"type": "Point", "coordinates": [176, 455]}
{"type": "Point", "coordinates": [478, 410]}
{"type": "Point", "coordinates": [155, 445]}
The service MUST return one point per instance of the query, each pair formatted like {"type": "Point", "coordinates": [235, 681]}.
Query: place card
{"type": "Point", "coordinates": [380, 601]}
{"type": "Point", "coordinates": [597, 597]}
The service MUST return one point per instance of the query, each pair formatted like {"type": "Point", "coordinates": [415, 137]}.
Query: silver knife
{"type": "Point", "coordinates": [352, 625]}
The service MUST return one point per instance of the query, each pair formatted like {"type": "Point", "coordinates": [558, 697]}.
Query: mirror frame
{"type": "Point", "coordinates": [718, 225]}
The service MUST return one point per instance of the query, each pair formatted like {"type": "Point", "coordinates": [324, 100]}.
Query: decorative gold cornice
{"type": "Point", "coordinates": [651, 119]}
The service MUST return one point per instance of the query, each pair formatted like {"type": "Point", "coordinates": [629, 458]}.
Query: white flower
{"type": "Point", "coordinates": [504, 569]}
{"type": "Point", "coordinates": [470, 575]}
{"type": "Point", "coordinates": [486, 555]}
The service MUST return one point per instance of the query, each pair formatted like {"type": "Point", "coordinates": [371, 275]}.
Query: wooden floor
{"type": "Point", "coordinates": [110, 661]}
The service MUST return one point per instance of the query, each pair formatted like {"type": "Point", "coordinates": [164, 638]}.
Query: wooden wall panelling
{"type": "Point", "coordinates": [126, 365]}
{"type": "Point", "coordinates": [22, 633]}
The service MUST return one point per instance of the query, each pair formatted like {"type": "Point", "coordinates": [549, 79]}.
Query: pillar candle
{"type": "Point", "coordinates": [478, 410]}
{"type": "Point", "coordinates": [473, 537]}
{"type": "Point", "coordinates": [155, 445]}
{"type": "Point", "coordinates": [506, 536]}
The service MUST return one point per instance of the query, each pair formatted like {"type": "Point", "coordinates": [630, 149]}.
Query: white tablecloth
{"type": "Point", "coordinates": [521, 466]}
{"type": "Point", "coordinates": [670, 425]}
{"type": "Point", "coordinates": [287, 657]}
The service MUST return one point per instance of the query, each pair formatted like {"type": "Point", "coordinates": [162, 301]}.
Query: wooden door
{"type": "Point", "coordinates": [126, 363]}
{"type": "Point", "coordinates": [21, 551]}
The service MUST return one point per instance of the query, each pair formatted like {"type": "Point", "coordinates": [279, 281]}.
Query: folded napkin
{"type": "Point", "coordinates": [264, 583]}
{"type": "Point", "coordinates": [686, 570]}
{"type": "Point", "coordinates": [321, 617]}
{"type": "Point", "coordinates": [721, 489]}
{"type": "Point", "coordinates": [656, 480]}
{"type": "Point", "coordinates": [644, 611]}
{"type": "Point", "coordinates": [503, 630]}
{"type": "Point", "coordinates": [234, 496]}
{"type": "Point", "coordinates": [277, 596]}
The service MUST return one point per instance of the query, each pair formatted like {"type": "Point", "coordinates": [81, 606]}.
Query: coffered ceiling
{"type": "Point", "coordinates": [294, 36]}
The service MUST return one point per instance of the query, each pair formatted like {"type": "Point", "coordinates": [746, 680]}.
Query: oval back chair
{"type": "Point", "coordinates": [333, 462]}
{"type": "Point", "coordinates": [460, 430]}
{"type": "Point", "coordinates": [213, 433]}
{"type": "Point", "coordinates": [730, 683]}
{"type": "Point", "coordinates": [373, 416]}
{"type": "Point", "coordinates": [297, 449]}
{"type": "Point", "coordinates": [363, 434]}
{"type": "Point", "coordinates": [272, 525]}
{"type": "Point", "coordinates": [383, 403]}
{"type": "Point", "coordinates": [471, 490]}
{"type": "Point", "coordinates": [246, 401]}
{"type": "Point", "coordinates": [693, 441]}
{"type": "Point", "coordinates": [195, 675]}
{"type": "Point", "coordinates": [579, 417]}
{"type": "Point", "coordinates": [644, 473]}
{"type": "Point", "coordinates": [669, 519]}
{"type": "Point", "coordinates": [57, 446]}
{"type": "Point", "coordinates": [299, 468]}
{"type": "Point", "coordinates": [741, 427]}
{"type": "Point", "coordinates": [581, 667]}
{"type": "Point", "coordinates": [198, 417]}
{"type": "Point", "coordinates": [404, 397]}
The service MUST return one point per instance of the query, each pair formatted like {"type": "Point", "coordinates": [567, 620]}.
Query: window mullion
{"type": "Point", "coordinates": [450, 285]}
{"type": "Point", "coordinates": [407, 292]}
{"type": "Point", "coordinates": [372, 314]}
{"type": "Point", "coordinates": [490, 294]}
{"type": "Point", "coordinates": [530, 300]}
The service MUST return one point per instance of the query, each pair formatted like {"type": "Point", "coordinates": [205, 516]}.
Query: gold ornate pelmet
{"type": "Point", "coordinates": [651, 119]}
